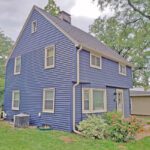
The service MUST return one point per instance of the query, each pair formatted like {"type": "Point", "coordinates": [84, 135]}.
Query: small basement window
{"type": "Point", "coordinates": [48, 100]}
{"type": "Point", "coordinates": [15, 99]}
{"type": "Point", "coordinates": [34, 26]}
{"type": "Point", "coordinates": [50, 57]}
{"type": "Point", "coordinates": [17, 65]}
{"type": "Point", "coordinates": [122, 69]}
{"type": "Point", "coordinates": [95, 61]}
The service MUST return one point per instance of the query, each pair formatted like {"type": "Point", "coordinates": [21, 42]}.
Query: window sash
{"type": "Point", "coordinates": [50, 56]}
{"type": "Point", "coordinates": [96, 100]}
{"type": "Point", "coordinates": [34, 26]}
{"type": "Point", "coordinates": [86, 100]}
{"type": "Point", "coordinates": [122, 69]}
{"type": "Point", "coordinates": [15, 100]}
{"type": "Point", "coordinates": [17, 67]}
{"type": "Point", "coordinates": [48, 100]}
{"type": "Point", "coordinates": [95, 61]}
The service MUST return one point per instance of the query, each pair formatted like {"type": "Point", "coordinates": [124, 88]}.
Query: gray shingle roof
{"type": "Point", "coordinates": [86, 40]}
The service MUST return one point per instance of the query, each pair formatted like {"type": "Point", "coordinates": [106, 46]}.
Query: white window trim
{"type": "Point", "coordinates": [45, 59]}
{"type": "Point", "coordinates": [121, 73]}
{"type": "Point", "coordinates": [13, 92]}
{"type": "Point", "coordinates": [45, 110]}
{"type": "Point", "coordinates": [32, 28]}
{"type": "Point", "coordinates": [94, 66]}
{"type": "Point", "coordinates": [91, 100]}
{"type": "Point", "coordinates": [16, 73]}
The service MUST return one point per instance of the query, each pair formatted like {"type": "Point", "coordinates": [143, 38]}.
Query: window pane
{"type": "Point", "coordinates": [98, 61]}
{"type": "Point", "coordinates": [49, 104]}
{"type": "Point", "coordinates": [49, 61]}
{"type": "Point", "coordinates": [49, 95]}
{"type": "Point", "coordinates": [93, 60]}
{"type": "Point", "coordinates": [86, 105]}
{"type": "Point", "coordinates": [50, 51]}
{"type": "Point", "coordinates": [17, 64]}
{"type": "Point", "coordinates": [16, 104]}
{"type": "Point", "coordinates": [18, 60]}
{"type": "Point", "coordinates": [17, 69]}
{"type": "Point", "coordinates": [98, 100]}
{"type": "Point", "coordinates": [86, 95]}
{"type": "Point", "coordinates": [123, 69]}
{"type": "Point", "coordinates": [16, 96]}
{"type": "Point", "coordinates": [34, 26]}
{"type": "Point", "coordinates": [86, 100]}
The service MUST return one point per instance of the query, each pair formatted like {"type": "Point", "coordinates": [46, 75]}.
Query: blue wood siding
{"type": "Point", "coordinates": [34, 77]}
{"type": "Point", "coordinates": [108, 77]}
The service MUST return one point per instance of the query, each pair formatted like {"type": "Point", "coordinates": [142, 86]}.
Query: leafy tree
{"type": "Point", "coordinates": [127, 30]}
{"type": "Point", "coordinates": [52, 8]}
{"type": "Point", "coordinates": [5, 47]}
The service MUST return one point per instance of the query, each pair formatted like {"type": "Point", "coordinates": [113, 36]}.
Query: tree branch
{"type": "Point", "coordinates": [130, 22]}
{"type": "Point", "coordinates": [126, 52]}
{"type": "Point", "coordinates": [137, 10]}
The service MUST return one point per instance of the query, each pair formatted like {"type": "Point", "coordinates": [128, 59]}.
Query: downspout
{"type": "Point", "coordinates": [74, 89]}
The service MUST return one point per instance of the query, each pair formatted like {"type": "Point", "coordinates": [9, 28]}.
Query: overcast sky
{"type": "Point", "coordinates": [13, 13]}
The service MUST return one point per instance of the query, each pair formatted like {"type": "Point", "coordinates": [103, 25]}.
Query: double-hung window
{"type": "Point", "coordinates": [95, 61]}
{"type": "Point", "coordinates": [17, 66]}
{"type": "Point", "coordinates": [94, 100]}
{"type": "Point", "coordinates": [50, 57]}
{"type": "Point", "coordinates": [86, 100]}
{"type": "Point", "coordinates": [15, 99]}
{"type": "Point", "coordinates": [122, 69]}
{"type": "Point", "coordinates": [48, 100]}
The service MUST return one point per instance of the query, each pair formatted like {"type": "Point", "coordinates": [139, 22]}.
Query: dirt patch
{"type": "Point", "coordinates": [67, 139]}
{"type": "Point", "coordinates": [122, 147]}
{"type": "Point", "coordinates": [144, 132]}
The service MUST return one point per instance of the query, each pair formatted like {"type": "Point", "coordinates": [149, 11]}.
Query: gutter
{"type": "Point", "coordinates": [74, 89]}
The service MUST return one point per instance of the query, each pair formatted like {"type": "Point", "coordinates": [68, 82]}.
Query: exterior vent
{"type": "Point", "coordinates": [21, 121]}
{"type": "Point", "coordinates": [65, 17]}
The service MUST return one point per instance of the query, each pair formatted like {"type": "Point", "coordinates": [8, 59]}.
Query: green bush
{"type": "Point", "coordinates": [111, 126]}
{"type": "Point", "coordinates": [94, 127]}
{"type": "Point", "coordinates": [121, 130]}
{"type": "Point", "coordinates": [110, 117]}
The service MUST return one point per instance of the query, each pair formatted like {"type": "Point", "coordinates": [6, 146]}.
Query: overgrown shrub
{"type": "Point", "coordinates": [121, 130]}
{"type": "Point", "coordinates": [94, 127]}
{"type": "Point", "coordinates": [111, 126]}
{"type": "Point", "coordinates": [110, 117]}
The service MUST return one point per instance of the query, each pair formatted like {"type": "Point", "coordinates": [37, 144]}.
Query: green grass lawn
{"type": "Point", "coordinates": [33, 139]}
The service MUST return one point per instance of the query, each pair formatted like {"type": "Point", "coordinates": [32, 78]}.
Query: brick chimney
{"type": "Point", "coordinates": [65, 17]}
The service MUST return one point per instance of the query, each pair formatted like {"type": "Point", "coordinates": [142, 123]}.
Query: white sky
{"type": "Point", "coordinates": [85, 8]}
{"type": "Point", "coordinates": [13, 13]}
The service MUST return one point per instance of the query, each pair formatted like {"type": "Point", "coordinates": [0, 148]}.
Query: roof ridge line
{"type": "Point", "coordinates": [55, 24]}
